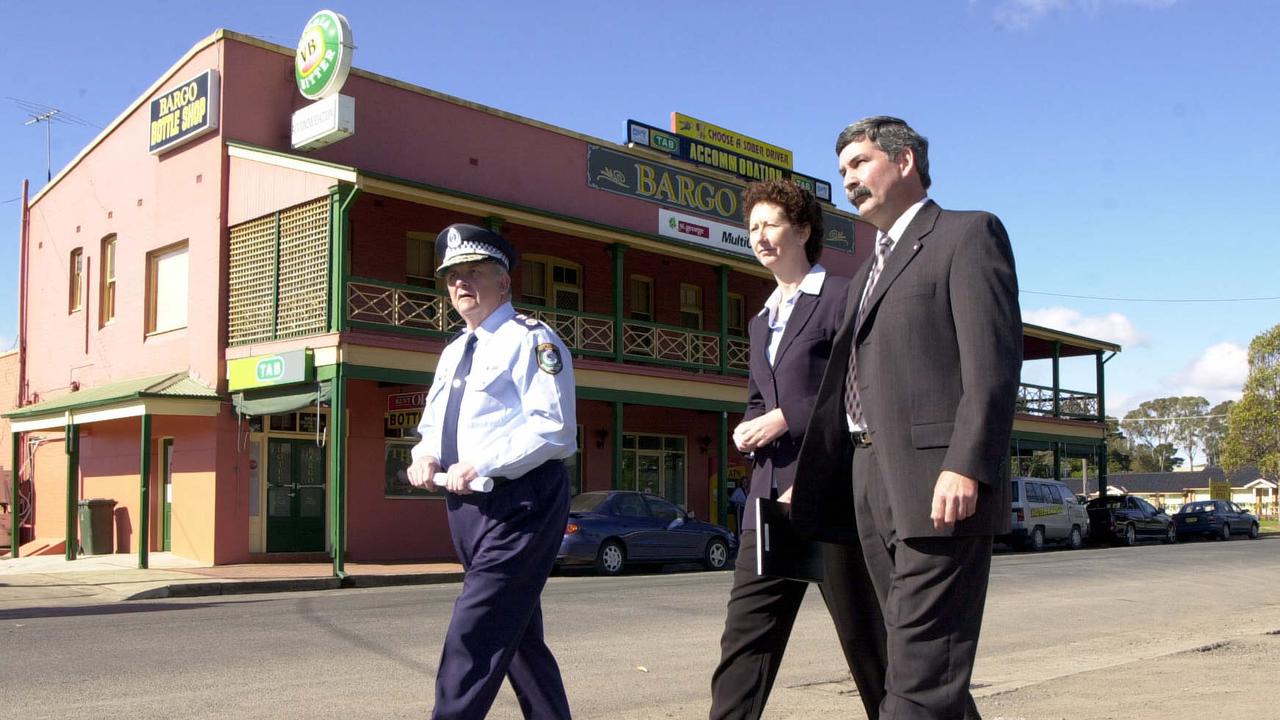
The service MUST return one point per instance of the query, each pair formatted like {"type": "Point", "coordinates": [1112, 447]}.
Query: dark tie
{"type": "Point", "coordinates": [853, 403]}
{"type": "Point", "coordinates": [449, 436]}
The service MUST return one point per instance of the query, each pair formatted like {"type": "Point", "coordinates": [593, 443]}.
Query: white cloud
{"type": "Point", "coordinates": [7, 343]}
{"type": "Point", "coordinates": [1022, 14]}
{"type": "Point", "coordinates": [1217, 374]}
{"type": "Point", "coordinates": [1112, 327]}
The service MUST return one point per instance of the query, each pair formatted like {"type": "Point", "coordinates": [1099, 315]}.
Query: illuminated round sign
{"type": "Point", "coordinates": [324, 55]}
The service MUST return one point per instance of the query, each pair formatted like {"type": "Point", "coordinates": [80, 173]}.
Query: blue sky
{"type": "Point", "coordinates": [1128, 145]}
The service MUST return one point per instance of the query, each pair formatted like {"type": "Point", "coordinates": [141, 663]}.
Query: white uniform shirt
{"type": "Point", "coordinates": [518, 407]}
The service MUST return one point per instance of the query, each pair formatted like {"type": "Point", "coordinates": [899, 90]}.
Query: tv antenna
{"type": "Point", "coordinates": [47, 114]}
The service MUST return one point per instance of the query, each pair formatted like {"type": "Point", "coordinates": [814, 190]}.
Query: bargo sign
{"type": "Point", "coordinates": [184, 113]}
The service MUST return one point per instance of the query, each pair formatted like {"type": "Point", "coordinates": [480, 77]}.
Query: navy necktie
{"type": "Point", "coordinates": [449, 436]}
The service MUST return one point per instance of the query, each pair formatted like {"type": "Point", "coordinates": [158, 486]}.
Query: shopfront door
{"type": "Point", "coordinates": [295, 496]}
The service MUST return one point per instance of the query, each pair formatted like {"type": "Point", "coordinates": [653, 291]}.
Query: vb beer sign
{"type": "Point", "coordinates": [184, 113]}
{"type": "Point", "coordinates": [260, 371]}
{"type": "Point", "coordinates": [324, 53]}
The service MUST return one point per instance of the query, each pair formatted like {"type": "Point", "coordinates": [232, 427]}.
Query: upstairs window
{"type": "Point", "coordinates": [107, 287]}
{"type": "Point", "coordinates": [737, 315]}
{"type": "Point", "coordinates": [691, 306]}
{"type": "Point", "coordinates": [641, 298]}
{"type": "Point", "coordinates": [75, 281]}
{"type": "Point", "coordinates": [420, 259]}
{"type": "Point", "coordinates": [167, 288]}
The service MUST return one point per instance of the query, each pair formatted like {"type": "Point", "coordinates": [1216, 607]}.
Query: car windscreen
{"type": "Point", "coordinates": [1197, 507]}
{"type": "Point", "coordinates": [588, 502]}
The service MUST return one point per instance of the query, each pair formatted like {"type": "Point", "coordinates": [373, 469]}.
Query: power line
{"type": "Point", "coordinates": [1153, 300]}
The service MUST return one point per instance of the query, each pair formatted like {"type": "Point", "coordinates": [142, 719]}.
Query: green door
{"type": "Point", "coordinates": [295, 496]}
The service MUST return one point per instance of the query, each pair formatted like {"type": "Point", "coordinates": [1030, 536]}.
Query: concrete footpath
{"type": "Point", "coordinates": [46, 579]}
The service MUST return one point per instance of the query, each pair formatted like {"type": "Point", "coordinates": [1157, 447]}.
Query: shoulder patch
{"type": "Point", "coordinates": [548, 356]}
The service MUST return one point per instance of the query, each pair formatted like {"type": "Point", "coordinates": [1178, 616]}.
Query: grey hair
{"type": "Point", "coordinates": [892, 135]}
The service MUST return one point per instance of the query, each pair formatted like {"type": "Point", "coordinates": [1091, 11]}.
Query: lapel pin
{"type": "Point", "coordinates": [916, 246]}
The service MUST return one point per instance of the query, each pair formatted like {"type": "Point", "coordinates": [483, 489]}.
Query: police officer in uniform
{"type": "Point", "coordinates": [501, 407]}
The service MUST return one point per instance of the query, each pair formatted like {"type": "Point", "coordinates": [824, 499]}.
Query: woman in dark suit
{"type": "Point", "coordinates": [790, 343]}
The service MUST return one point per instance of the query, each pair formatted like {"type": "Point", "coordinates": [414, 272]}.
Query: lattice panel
{"type": "Point", "coordinates": [739, 354]}
{"type": "Point", "coordinates": [304, 269]}
{"type": "Point", "coordinates": [580, 332]}
{"type": "Point", "coordinates": [251, 270]}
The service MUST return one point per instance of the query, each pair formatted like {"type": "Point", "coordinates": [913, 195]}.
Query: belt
{"type": "Point", "coordinates": [544, 466]}
{"type": "Point", "coordinates": [860, 438]}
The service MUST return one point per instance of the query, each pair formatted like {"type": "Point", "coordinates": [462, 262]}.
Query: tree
{"type": "Point", "coordinates": [1188, 424]}
{"type": "Point", "coordinates": [1253, 423]}
{"type": "Point", "coordinates": [1161, 458]}
{"type": "Point", "coordinates": [1150, 425]}
{"type": "Point", "coordinates": [1118, 457]}
{"type": "Point", "coordinates": [1215, 432]}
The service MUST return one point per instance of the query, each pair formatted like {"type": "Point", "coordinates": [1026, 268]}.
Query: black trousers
{"type": "Point", "coordinates": [758, 622]}
{"type": "Point", "coordinates": [932, 593]}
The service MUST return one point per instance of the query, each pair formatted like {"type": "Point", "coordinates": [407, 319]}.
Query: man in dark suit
{"type": "Point", "coordinates": [917, 405]}
{"type": "Point", "coordinates": [790, 344]}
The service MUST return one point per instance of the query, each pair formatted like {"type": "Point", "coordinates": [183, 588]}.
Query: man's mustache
{"type": "Point", "coordinates": [859, 192]}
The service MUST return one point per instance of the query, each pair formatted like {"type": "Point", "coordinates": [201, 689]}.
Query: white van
{"type": "Point", "coordinates": [1046, 511]}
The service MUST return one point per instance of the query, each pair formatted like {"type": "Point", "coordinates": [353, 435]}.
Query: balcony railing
{"type": "Point", "coordinates": [1072, 404]}
{"type": "Point", "coordinates": [381, 305]}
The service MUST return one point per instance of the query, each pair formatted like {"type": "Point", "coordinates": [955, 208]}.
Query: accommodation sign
{"type": "Point", "coordinates": [628, 175]}
{"type": "Point", "coordinates": [184, 113]}
{"type": "Point", "coordinates": [729, 140]}
{"type": "Point", "coordinates": [696, 151]}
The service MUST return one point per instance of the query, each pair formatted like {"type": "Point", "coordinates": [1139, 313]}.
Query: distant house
{"type": "Point", "coordinates": [1171, 490]}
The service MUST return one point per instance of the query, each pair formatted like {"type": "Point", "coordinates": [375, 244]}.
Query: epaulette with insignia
{"type": "Point", "coordinates": [526, 322]}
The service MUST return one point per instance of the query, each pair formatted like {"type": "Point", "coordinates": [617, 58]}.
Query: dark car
{"type": "Point", "coordinates": [1128, 519]}
{"type": "Point", "coordinates": [615, 528]}
{"type": "Point", "coordinates": [1215, 518]}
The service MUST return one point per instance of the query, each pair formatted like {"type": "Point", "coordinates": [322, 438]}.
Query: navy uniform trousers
{"type": "Point", "coordinates": [507, 540]}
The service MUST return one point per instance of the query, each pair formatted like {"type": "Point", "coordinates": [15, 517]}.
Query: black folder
{"type": "Point", "coordinates": [780, 552]}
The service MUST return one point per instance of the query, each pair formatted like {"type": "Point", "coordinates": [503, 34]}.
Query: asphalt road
{"type": "Point", "coordinates": [1154, 631]}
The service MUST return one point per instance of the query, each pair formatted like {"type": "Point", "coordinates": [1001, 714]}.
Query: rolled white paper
{"type": "Point", "coordinates": [478, 484]}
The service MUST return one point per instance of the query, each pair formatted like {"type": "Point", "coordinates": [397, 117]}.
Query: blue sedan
{"type": "Point", "coordinates": [1215, 518]}
{"type": "Point", "coordinates": [615, 528]}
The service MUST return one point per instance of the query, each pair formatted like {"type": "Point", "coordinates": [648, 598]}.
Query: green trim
{"type": "Point", "coordinates": [1085, 343]}
{"type": "Point", "coordinates": [72, 448]}
{"type": "Point", "coordinates": [144, 493]}
{"type": "Point", "coordinates": [166, 507]}
{"type": "Point", "coordinates": [173, 385]}
{"type": "Point", "coordinates": [619, 278]}
{"type": "Point", "coordinates": [1103, 471]}
{"type": "Point", "coordinates": [617, 443]}
{"type": "Point", "coordinates": [722, 293]}
{"type": "Point", "coordinates": [722, 469]}
{"type": "Point", "coordinates": [15, 520]}
{"type": "Point", "coordinates": [1057, 381]}
{"type": "Point", "coordinates": [342, 196]}
{"type": "Point", "coordinates": [275, 279]}
{"type": "Point", "coordinates": [388, 375]}
{"type": "Point", "coordinates": [668, 401]}
{"type": "Point", "coordinates": [338, 460]}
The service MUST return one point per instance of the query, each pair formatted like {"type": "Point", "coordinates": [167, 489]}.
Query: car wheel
{"type": "Point", "coordinates": [1170, 534]}
{"type": "Point", "coordinates": [1253, 531]}
{"type": "Point", "coordinates": [1226, 532]}
{"type": "Point", "coordinates": [611, 558]}
{"type": "Point", "coordinates": [1130, 535]}
{"type": "Point", "coordinates": [1037, 539]}
{"type": "Point", "coordinates": [1075, 541]}
{"type": "Point", "coordinates": [717, 555]}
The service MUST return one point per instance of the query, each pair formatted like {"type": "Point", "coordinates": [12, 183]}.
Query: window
{"type": "Point", "coordinates": [167, 289]}
{"type": "Point", "coordinates": [1053, 494]}
{"type": "Point", "coordinates": [654, 464]}
{"type": "Point", "coordinates": [737, 315]}
{"type": "Point", "coordinates": [691, 306]}
{"type": "Point", "coordinates": [1033, 493]}
{"type": "Point", "coordinates": [107, 288]}
{"type": "Point", "coordinates": [629, 506]}
{"type": "Point", "coordinates": [75, 283]}
{"type": "Point", "coordinates": [420, 259]}
{"type": "Point", "coordinates": [533, 282]}
{"type": "Point", "coordinates": [641, 298]}
{"type": "Point", "coordinates": [663, 510]}
{"type": "Point", "coordinates": [551, 282]}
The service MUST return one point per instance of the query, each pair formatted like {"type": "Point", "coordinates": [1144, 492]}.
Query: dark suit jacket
{"type": "Point", "coordinates": [791, 383]}
{"type": "Point", "coordinates": [939, 362]}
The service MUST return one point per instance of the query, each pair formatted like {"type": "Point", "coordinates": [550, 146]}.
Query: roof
{"type": "Point", "coordinates": [172, 385]}
{"type": "Point", "coordinates": [1176, 482]}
